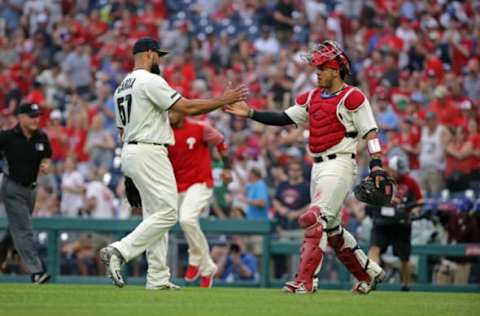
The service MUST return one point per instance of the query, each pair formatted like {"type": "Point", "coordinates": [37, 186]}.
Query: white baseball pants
{"type": "Point", "coordinates": [191, 204]}
{"type": "Point", "coordinates": [151, 171]}
{"type": "Point", "coordinates": [330, 183]}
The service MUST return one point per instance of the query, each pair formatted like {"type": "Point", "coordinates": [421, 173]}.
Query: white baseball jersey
{"type": "Point", "coordinates": [142, 101]}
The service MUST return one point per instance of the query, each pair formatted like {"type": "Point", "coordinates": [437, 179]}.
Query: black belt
{"type": "Point", "coordinates": [30, 186]}
{"type": "Point", "coordinates": [328, 157]}
{"type": "Point", "coordinates": [156, 144]}
{"type": "Point", "coordinates": [351, 134]}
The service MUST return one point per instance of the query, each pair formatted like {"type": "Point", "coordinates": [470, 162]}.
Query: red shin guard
{"type": "Point", "coordinates": [310, 256]}
{"type": "Point", "coordinates": [348, 258]}
{"type": "Point", "coordinates": [310, 217]}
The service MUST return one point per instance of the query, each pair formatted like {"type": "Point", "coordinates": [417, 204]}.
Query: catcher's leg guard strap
{"type": "Point", "coordinates": [347, 250]}
{"type": "Point", "coordinates": [310, 217]}
{"type": "Point", "coordinates": [311, 255]}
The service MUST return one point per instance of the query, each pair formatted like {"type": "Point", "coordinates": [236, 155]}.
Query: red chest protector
{"type": "Point", "coordinates": [326, 130]}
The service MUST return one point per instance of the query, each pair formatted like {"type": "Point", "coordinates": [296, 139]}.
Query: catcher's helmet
{"type": "Point", "coordinates": [329, 53]}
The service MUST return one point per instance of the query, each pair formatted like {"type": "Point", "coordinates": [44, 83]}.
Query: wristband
{"type": "Point", "coordinates": [373, 146]}
{"type": "Point", "coordinates": [251, 112]}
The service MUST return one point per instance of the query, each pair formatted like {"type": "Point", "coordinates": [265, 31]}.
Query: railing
{"type": "Point", "coordinates": [53, 226]}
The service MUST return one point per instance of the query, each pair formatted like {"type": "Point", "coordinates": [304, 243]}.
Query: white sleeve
{"type": "Point", "coordinates": [298, 114]}
{"type": "Point", "coordinates": [160, 93]}
{"type": "Point", "coordinates": [363, 119]}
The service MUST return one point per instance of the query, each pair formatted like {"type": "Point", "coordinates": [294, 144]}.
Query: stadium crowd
{"type": "Point", "coordinates": [418, 61]}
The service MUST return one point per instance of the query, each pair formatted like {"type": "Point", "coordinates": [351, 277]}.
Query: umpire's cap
{"type": "Point", "coordinates": [147, 43]}
{"type": "Point", "coordinates": [30, 109]}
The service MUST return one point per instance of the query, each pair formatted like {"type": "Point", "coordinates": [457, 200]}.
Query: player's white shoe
{"type": "Point", "coordinates": [295, 287]}
{"type": "Point", "coordinates": [113, 262]}
{"type": "Point", "coordinates": [167, 286]}
{"type": "Point", "coordinates": [364, 288]}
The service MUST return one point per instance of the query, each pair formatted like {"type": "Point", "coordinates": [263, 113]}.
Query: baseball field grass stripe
{"type": "Point", "coordinates": [101, 300]}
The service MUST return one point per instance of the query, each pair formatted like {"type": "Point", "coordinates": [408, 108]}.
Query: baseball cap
{"type": "Point", "coordinates": [147, 43]}
{"type": "Point", "coordinates": [398, 164]}
{"type": "Point", "coordinates": [30, 109]}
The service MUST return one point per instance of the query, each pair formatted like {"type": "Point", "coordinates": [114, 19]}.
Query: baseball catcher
{"type": "Point", "coordinates": [339, 115]}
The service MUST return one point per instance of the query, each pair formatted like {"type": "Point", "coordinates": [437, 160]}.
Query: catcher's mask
{"type": "Point", "coordinates": [329, 54]}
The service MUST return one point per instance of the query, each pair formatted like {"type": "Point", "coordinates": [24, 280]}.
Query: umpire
{"type": "Point", "coordinates": [27, 151]}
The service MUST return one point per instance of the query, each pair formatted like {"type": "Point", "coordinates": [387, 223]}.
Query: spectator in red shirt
{"type": "Point", "coordinates": [373, 72]}
{"type": "Point", "coordinates": [77, 131]}
{"type": "Point", "coordinates": [474, 139]}
{"type": "Point", "coordinates": [434, 64]}
{"type": "Point", "coordinates": [458, 167]}
{"type": "Point", "coordinates": [444, 107]}
{"type": "Point", "coordinates": [462, 46]}
{"type": "Point", "coordinates": [408, 139]}
{"type": "Point", "coordinates": [400, 95]}
{"type": "Point", "coordinates": [58, 136]}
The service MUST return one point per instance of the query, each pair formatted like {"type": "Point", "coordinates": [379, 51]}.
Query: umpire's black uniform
{"type": "Point", "coordinates": [24, 147]}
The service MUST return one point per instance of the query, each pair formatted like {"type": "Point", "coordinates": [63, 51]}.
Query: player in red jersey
{"type": "Point", "coordinates": [192, 165]}
{"type": "Point", "coordinates": [338, 115]}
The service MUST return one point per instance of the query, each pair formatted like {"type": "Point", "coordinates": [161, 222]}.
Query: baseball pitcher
{"type": "Point", "coordinates": [142, 102]}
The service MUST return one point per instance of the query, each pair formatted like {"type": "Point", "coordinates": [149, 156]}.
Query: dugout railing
{"type": "Point", "coordinates": [55, 226]}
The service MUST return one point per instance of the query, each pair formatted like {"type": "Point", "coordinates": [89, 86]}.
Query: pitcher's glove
{"type": "Point", "coordinates": [376, 189]}
{"type": "Point", "coordinates": [131, 191]}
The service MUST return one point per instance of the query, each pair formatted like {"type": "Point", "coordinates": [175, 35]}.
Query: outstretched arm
{"type": "Point", "coordinates": [202, 106]}
{"type": "Point", "coordinates": [268, 118]}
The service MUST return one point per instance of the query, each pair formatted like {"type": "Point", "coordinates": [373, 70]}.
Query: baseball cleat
{"type": "Point", "coordinates": [192, 273]}
{"type": "Point", "coordinates": [206, 281]}
{"type": "Point", "coordinates": [364, 288]}
{"type": "Point", "coordinates": [40, 278]}
{"type": "Point", "coordinates": [295, 287]}
{"type": "Point", "coordinates": [113, 260]}
{"type": "Point", "coordinates": [167, 286]}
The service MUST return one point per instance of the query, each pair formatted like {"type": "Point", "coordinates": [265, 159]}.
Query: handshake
{"type": "Point", "coordinates": [234, 100]}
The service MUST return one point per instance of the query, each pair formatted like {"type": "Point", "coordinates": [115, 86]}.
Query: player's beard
{"type": "Point", "coordinates": [155, 69]}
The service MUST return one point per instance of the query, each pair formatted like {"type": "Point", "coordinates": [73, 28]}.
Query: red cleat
{"type": "Point", "coordinates": [206, 281]}
{"type": "Point", "coordinates": [192, 273]}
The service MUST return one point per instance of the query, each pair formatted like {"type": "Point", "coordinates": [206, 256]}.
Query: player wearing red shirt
{"type": "Point", "coordinates": [192, 165]}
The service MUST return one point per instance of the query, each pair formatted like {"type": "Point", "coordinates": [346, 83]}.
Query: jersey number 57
{"type": "Point", "coordinates": [124, 116]}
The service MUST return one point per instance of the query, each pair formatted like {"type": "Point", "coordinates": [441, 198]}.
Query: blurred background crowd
{"type": "Point", "coordinates": [418, 61]}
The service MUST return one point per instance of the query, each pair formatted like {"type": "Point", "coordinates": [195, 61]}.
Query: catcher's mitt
{"type": "Point", "coordinates": [376, 189]}
{"type": "Point", "coordinates": [131, 191]}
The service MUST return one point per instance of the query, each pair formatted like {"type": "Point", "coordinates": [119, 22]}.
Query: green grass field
{"type": "Point", "coordinates": [88, 300]}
